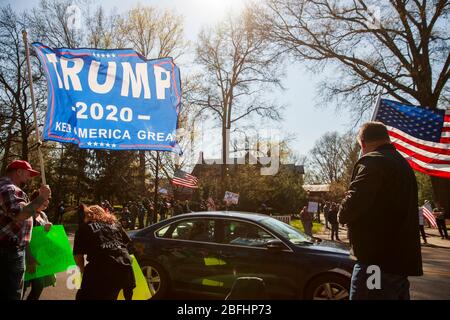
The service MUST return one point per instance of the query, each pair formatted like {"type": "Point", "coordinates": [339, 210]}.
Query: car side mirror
{"type": "Point", "coordinates": [275, 245]}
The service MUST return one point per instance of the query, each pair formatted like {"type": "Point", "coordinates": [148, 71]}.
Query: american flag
{"type": "Point", "coordinates": [420, 134]}
{"type": "Point", "coordinates": [428, 214]}
{"type": "Point", "coordinates": [184, 179]}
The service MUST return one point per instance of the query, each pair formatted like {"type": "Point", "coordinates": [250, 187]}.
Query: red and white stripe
{"type": "Point", "coordinates": [432, 158]}
{"type": "Point", "coordinates": [427, 214]}
{"type": "Point", "coordinates": [190, 181]}
{"type": "Point", "coordinates": [445, 137]}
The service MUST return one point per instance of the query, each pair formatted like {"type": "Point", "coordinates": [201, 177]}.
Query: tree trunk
{"type": "Point", "coordinates": [142, 172]}
{"type": "Point", "coordinates": [6, 153]}
{"type": "Point", "coordinates": [24, 135]}
{"type": "Point", "coordinates": [155, 195]}
{"type": "Point", "coordinates": [225, 155]}
{"type": "Point", "coordinates": [441, 186]}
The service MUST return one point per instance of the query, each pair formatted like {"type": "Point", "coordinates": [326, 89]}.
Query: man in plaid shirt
{"type": "Point", "coordinates": [15, 226]}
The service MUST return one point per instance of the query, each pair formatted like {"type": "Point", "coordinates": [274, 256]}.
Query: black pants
{"type": "Point", "coordinates": [36, 289]}
{"type": "Point", "coordinates": [422, 232]}
{"type": "Point", "coordinates": [133, 221]}
{"type": "Point", "coordinates": [150, 219]}
{"type": "Point", "coordinates": [335, 231]}
{"type": "Point", "coordinates": [442, 228]}
{"type": "Point", "coordinates": [104, 282]}
{"type": "Point", "coordinates": [141, 220]}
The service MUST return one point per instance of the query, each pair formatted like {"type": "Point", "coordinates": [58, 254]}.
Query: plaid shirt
{"type": "Point", "coordinates": [12, 198]}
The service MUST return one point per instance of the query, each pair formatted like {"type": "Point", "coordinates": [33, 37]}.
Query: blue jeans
{"type": "Point", "coordinates": [12, 270]}
{"type": "Point", "coordinates": [393, 287]}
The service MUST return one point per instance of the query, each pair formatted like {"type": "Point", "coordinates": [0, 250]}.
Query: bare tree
{"type": "Point", "coordinates": [397, 47]}
{"type": "Point", "coordinates": [154, 34]}
{"type": "Point", "coordinates": [104, 30]}
{"type": "Point", "coordinates": [16, 112]}
{"type": "Point", "coordinates": [237, 68]}
{"type": "Point", "coordinates": [51, 24]}
{"type": "Point", "coordinates": [332, 158]}
{"type": "Point", "coordinates": [403, 51]}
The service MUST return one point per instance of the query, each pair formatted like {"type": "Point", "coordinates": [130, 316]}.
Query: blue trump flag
{"type": "Point", "coordinates": [110, 99]}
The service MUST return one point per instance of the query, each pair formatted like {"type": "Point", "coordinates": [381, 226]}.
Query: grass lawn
{"type": "Point", "coordinates": [296, 223]}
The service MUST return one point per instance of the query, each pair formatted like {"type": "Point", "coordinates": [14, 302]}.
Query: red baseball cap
{"type": "Point", "coordinates": [22, 164]}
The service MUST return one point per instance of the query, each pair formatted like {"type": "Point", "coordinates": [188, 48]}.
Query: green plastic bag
{"type": "Point", "coordinates": [52, 250]}
{"type": "Point", "coordinates": [141, 291]}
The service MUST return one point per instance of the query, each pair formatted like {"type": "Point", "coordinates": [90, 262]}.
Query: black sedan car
{"type": "Point", "coordinates": [204, 253]}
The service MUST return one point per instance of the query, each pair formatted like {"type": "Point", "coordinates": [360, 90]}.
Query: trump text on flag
{"type": "Point", "coordinates": [110, 99]}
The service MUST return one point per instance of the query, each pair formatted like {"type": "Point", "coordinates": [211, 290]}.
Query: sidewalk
{"type": "Point", "coordinates": [433, 237]}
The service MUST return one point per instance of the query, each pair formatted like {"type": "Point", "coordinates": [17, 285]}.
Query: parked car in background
{"type": "Point", "coordinates": [204, 253]}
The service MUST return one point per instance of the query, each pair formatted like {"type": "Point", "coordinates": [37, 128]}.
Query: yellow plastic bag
{"type": "Point", "coordinates": [141, 291]}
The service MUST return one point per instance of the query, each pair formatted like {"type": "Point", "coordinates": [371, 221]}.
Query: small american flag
{"type": "Point", "coordinates": [420, 134]}
{"type": "Point", "coordinates": [428, 214]}
{"type": "Point", "coordinates": [184, 179]}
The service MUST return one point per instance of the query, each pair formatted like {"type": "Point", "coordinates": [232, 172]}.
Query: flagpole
{"type": "Point", "coordinates": [30, 78]}
{"type": "Point", "coordinates": [155, 199]}
{"type": "Point", "coordinates": [374, 114]}
{"type": "Point", "coordinates": [377, 106]}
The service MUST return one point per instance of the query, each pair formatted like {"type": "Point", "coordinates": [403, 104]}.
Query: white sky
{"type": "Point", "coordinates": [301, 117]}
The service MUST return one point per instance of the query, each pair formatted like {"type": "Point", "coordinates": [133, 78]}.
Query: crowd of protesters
{"type": "Point", "coordinates": [137, 214]}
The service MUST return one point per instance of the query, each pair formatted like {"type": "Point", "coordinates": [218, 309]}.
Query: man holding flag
{"type": "Point", "coordinates": [438, 213]}
{"type": "Point", "coordinates": [184, 179]}
{"type": "Point", "coordinates": [15, 226]}
{"type": "Point", "coordinates": [428, 214]}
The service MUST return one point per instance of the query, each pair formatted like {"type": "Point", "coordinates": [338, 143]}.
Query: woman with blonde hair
{"type": "Point", "coordinates": [104, 241]}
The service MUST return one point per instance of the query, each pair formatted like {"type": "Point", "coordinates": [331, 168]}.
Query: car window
{"type": "Point", "coordinates": [161, 232]}
{"type": "Point", "coordinates": [245, 234]}
{"type": "Point", "coordinates": [194, 230]}
{"type": "Point", "coordinates": [288, 232]}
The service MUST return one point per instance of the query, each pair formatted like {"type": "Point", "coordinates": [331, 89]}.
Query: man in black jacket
{"type": "Point", "coordinates": [380, 210]}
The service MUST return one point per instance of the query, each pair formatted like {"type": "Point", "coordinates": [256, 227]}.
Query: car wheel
{"type": "Point", "coordinates": [157, 279]}
{"type": "Point", "coordinates": [328, 287]}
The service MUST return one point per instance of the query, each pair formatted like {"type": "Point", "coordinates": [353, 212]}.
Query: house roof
{"type": "Point", "coordinates": [216, 164]}
{"type": "Point", "coordinates": [316, 187]}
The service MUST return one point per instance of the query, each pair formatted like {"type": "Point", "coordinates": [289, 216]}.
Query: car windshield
{"type": "Point", "coordinates": [292, 234]}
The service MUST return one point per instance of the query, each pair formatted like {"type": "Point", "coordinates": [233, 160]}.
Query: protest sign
{"type": "Point", "coordinates": [52, 250]}
{"type": "Point", "coordinates": [313, 206]}
{"type": "Point", "coordinates": [230, 197]}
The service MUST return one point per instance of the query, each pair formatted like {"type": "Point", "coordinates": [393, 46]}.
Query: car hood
{"type": "Point", "coordinates": [330, 246]}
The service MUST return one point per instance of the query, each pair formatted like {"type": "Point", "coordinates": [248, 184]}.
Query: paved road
{"type": "Point", "coordinates": [435, 284]}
